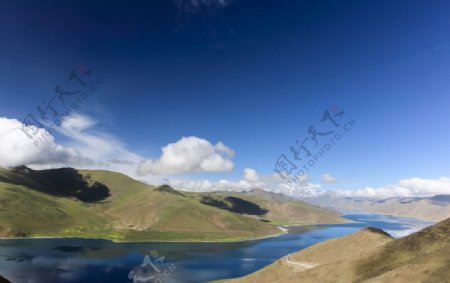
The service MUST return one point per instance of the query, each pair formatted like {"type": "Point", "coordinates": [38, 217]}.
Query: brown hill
{"type": "Point", "coordinates": [436, 208]}
{"type": "Point", "coordinates": [369, 255]}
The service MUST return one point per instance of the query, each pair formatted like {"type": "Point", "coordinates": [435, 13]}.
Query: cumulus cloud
{"type": "Point", "coordinates": [189, 154]}
{"type": "Point", "coordinates": [250, 175]}
{"type": "Point", "coordinates": [87, 147]}
{"type": "Point", "coordinates": [413, 187]}
{"type": "Point", "coordinates": [84, 146]}
{"type": "Point", "coordinates": [16, 148]}
{"type": "Point", "coordinates": [328, 178]}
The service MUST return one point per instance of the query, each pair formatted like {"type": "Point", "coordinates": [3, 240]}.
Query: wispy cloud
{"type": "Point", "coordinates": [196, 6]}
{"type": "Point", "coordinates": [413, 187]}
{"type": "Point", "coordinates": [97, 145]}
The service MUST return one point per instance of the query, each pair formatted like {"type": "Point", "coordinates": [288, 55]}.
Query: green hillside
{"type": "Point", "coordinates": [104, 204]}
{"type": "Point", "coordinates": [284, 210]}
{"type": "Point", "coordinates": [271, 207]}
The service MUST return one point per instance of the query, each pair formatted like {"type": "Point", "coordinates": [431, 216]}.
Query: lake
{"type": "Point", "coordinates": [87, 260]}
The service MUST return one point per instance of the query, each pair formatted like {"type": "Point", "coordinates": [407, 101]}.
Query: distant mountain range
{"type": "Point", "coordinates": [280, 209]}
{"type": "Point", "coordinates": [436, 208]}
{"type": "Point", "coordinates": [66, 202]}
{"type": "Point", "coordinates": [370, 255]}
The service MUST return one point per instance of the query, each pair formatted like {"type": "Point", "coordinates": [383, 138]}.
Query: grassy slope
{"type": "Point", "coordinates": [288, 211]}
{"type": "Point", "coordinates": [134, 211]}
{"type": "Point", "coordinates": [170, 216]}
{"type": "Point", "coordinates": [283, 210]}
{"type": "Point", "coordinates": [24, 212]}
{"type": "Point", "coordinates": [49, 203]}
{"type": "Point", "coordinates": [368, 256]}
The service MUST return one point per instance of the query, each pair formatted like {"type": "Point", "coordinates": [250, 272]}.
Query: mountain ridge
{"type": "Point", "coordinates": [66, 202]}
{"type": "Point", "coordinates": [435, 208]}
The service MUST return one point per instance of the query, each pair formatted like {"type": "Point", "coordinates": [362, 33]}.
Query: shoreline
{"type": "Point", "coordinates": [144, 241]}
{"type": "Point", "coordinates": [284, 229]}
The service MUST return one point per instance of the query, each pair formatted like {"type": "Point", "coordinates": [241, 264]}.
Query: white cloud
{"type": "Point", "coordinates": [209, 186]}
{"type": "Point", "coordinates": [413, 187]}
{"type": "Point", "coordinates": [328, 178]}
{"type": "Point", "coordinates": [97, 145]}
{"type": "Point", "coordinates": [84, 148]}
{"type": "Point", "coordinates": [189, 154]}
{"type": "Point", "coordinates": [250, 175]}
{"type": "Point", "coordinates": [16, 148]}
{"type": "Point", "coordinates": [299, 189]}
{"type": "Point", "coordinates": [304, 178]}
{"type": "Point", "coordinates": [220, 147]}
{"type": "Point", "coordinates": [250, 180]}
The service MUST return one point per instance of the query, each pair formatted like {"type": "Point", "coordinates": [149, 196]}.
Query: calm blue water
{"type": "Point", "coordinates": [82, 260]}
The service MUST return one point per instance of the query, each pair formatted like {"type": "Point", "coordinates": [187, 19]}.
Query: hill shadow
{"type": "Point", "coordinates": [63, 182]}
{"type": "Point", "coordinates": [234, 204]}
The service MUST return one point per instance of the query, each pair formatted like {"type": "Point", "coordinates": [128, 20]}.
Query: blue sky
{"type": "Point", "coordinates": [253, 75]}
